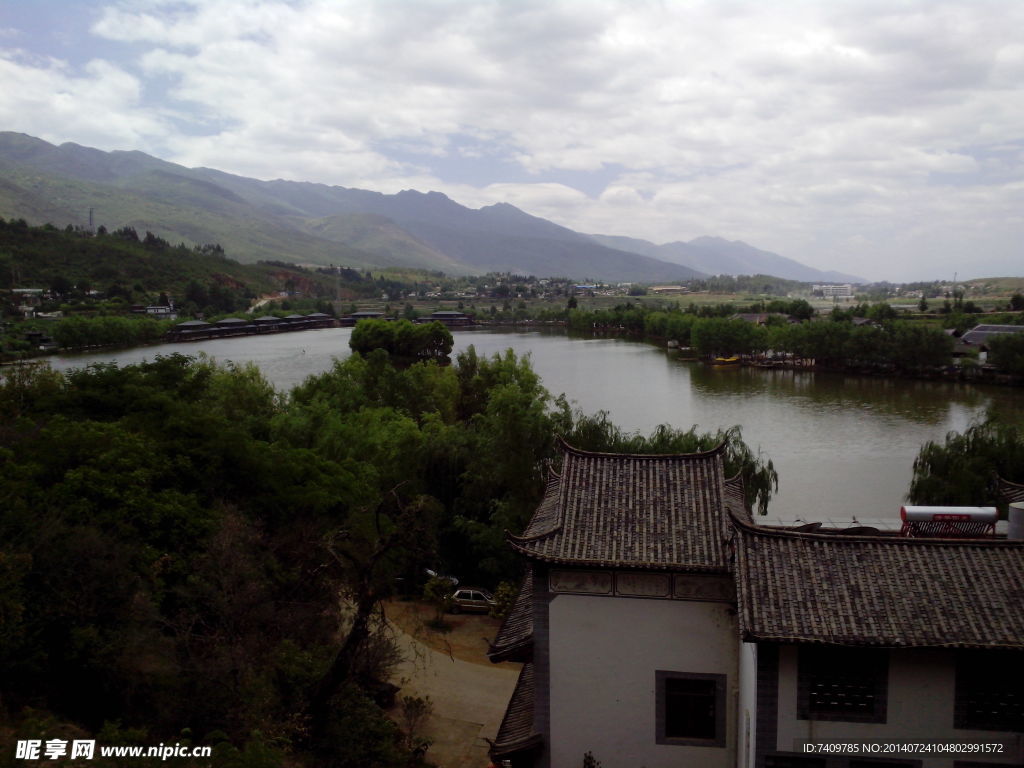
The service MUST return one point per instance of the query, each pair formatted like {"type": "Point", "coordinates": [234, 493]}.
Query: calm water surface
{"type": "Point", "coordinates": [843, 446]}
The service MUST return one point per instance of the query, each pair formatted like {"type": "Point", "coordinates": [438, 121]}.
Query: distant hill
{"type": "Point", "coordinates": [716, 256]}
{"type": "Point", "coordinates": [119, 263]}
{"type": "Point", "coordinates": [308, 223]}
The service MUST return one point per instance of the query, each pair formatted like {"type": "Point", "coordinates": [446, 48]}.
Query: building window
{"type": "Point", "coordinates": [847, 684]}
{"type": "Point", "coordinates": [690, 709]}
{"type": "Point", "coordinates": [989, 691]}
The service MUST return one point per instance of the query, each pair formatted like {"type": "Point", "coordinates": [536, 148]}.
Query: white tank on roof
{"type": "Point", "coordinates": [919, 514]}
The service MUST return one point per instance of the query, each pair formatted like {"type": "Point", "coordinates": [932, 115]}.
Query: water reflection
{"type": "Point", "coordinates": [926, 402]}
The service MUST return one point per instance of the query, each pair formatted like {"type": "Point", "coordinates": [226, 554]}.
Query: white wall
{"type": "Point", "coordinates": [920, 708]}
{"type": "Point", "coordinates": [604, 652]}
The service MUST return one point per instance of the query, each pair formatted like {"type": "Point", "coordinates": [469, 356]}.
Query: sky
{"type": "Point", "coordinates": [883, 139]}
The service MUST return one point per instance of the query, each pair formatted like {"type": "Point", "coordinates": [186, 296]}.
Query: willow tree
{"type": "Point", "coordinates": [961, 469]}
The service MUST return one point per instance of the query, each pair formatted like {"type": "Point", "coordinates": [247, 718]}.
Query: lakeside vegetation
{"type": "Point", "coordinates": [863, 338]}
{"type": "Point", "coordinates": [175, 536]}
{"type": "Point", "coordinates": [94, 287]}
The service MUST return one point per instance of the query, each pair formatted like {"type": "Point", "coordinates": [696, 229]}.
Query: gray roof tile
{"type": "Point", "coordinates": [516, 731]}
{"type": "Point", "coordinates": [650, 511]}
{"type": "Point", "coordinates": [514, 641]}
{"type": "Point", "coordinates": [884, 591]}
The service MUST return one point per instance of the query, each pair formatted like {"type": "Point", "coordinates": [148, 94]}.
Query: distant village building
{"type": "Point", "coordinates": [161, 312]}
{"type": "Point", "coordinates": [199, 330]}
{"type": "Point", "coordinates": [28, 299]}
{"type": "Point", "coordinates": [668, 289]}
{"type": "Point", "coordinates": [659, 625]}
{"type": "Point", "coordinates": [763, 318]}
{"type": "Point", "coordinates": [979, 335]}
{"type": "Point", "coordinates": [448, 317]}
{"type": "Point", "coordinates": [355, 317]}
{"type": "Point", "coordinates": [830, 291]}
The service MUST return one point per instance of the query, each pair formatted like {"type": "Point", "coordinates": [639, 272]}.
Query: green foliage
{"type": "Point", "coordinates": [402, 339]}
{"type": "Point", "coordinates": [49, 257]}
{"type": "Point", "coordinates": [256, 752]}
{"type": "Point", "coordinates": [359, 735]}
{"type": "Point", "coordinates": [504, 598]}
{"type": "Point", "coordinates": [174, 535]}
{"type": "Point", "coordinates": [1006, 352]}
{"type": "Point", "coordinates": [960, 470]}
{"type": "Point", "coordinates": [81, 332]}
{"type": "Point", "coordinates": [438, 592]}
{"type": "Point", "coordinates": [721, 337]}
{"type": "Point", "coordinates": [157, 551]}
{"type": "Point", "coordinates": [415, 711]}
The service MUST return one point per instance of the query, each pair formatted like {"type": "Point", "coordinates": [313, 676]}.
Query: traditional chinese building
{"type": "Point", "coordinates": [659, 625]}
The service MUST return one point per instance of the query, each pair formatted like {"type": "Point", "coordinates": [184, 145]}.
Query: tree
{"type": "Point", "coordinates": [959, 471]}
{"type": "Point", "coordinates": [916, 346]}
{"type": "Point", "coordinates": [1006, 351]}
{"type": "Point", "coordinates": [371, 550]}
{"type": "Point", "coordinates": [403, 340]}
{"type": "Point", "coordinates": [719, 336]}
{"type": "Point", "coordinates": [881, 311]}
{"type": "Point", "coordinates": [438, 592]}
{"type": "Point", "coordinates": [60, 285]}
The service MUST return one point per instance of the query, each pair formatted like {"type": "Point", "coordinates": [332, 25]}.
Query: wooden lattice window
{"type": "Point", "coordinates": [989, 691]}
{"type": "Point", "coordinates": [848, 684]}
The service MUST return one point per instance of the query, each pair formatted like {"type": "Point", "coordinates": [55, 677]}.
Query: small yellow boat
{"type": "Point", "coordinates": [734, 360]}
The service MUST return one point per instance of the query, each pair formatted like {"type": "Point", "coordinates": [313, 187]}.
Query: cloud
{"type": "Point", "coordinates": [861, 131]}
{"type": "Point", "coordinates": [96, 107]}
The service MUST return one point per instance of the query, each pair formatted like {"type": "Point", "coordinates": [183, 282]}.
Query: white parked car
{"type": "Point", "coordinates": [472, 599]}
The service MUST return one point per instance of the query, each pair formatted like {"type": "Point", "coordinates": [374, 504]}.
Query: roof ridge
{"type": "Point", "coordinates": [555, 480]}
{"type": "Point", "coordinates": [752, 528]}
{"type": "Point", "coordinates": [567, 448]}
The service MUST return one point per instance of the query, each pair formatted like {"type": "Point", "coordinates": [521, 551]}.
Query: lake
{"type": "Point", "coordinates": [843, 446]}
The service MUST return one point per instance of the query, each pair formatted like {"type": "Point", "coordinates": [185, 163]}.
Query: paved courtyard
{"type": "Point", "coordinates": [469, 694]}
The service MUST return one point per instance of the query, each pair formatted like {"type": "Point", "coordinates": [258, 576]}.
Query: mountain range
{"type": "Point", "coordinates": [309, 223]}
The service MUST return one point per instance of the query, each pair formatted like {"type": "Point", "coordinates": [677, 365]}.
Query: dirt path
{"type": "Point", "coordinates": [469, 694]}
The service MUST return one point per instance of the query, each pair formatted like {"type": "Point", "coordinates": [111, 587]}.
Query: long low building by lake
{"type": "Point", "coordinates": [198, 330]}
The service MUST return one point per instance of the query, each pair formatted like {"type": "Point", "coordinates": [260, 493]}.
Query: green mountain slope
{"type": "Point", "coordinates": [174, 207]}
{"type": "Point", "coordinates": [375, 234]}
{"type": "Point", "coordinates": [41, 256]}
{"type": "Point", "coordinates": [308, 223]}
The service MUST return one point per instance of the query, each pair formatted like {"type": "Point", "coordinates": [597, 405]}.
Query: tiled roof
{"type": "Point", "coordinates": [516, 731]}
{"type": "Point", "coordinates": [882, 591]}
{"type": "Point", "coordinates": [515, 638]}
{"type": "Point", "coordinates": [1009, 492]}
{"type": "Point", "coordinates": [980, 334]}
{"type": "Point", "coordinates": [735, 496]}
{"type": "Point", "coordinates": [648, 511]}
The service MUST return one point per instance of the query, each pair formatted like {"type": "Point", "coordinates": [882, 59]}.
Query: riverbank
{"type": "Point", "coordinates": [964, 374]}
{"type": "Point", "coordinates": [851, 439]}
